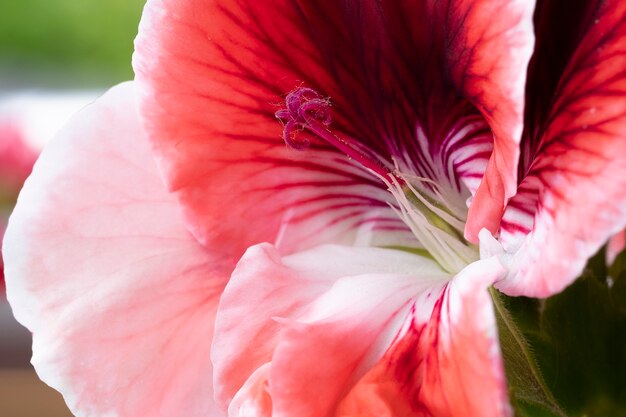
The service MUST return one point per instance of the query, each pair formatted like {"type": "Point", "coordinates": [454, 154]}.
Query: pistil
{"type": "Point", "coordinates": [307, 110]}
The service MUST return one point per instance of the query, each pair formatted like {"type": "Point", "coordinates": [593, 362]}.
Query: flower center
{"type": "Point", "coordinates": [420, 203]}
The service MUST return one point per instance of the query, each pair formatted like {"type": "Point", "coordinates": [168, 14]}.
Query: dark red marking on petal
{"type": "Point", "coordinates": [575, 164]}
{"type": "Point", "coordinates": [554, 49]}
{"type": "Point", "coordinates": [213, 72]}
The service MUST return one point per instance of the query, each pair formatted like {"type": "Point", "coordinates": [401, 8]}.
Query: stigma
{"type": "Point", "coordinates": [308, 111]}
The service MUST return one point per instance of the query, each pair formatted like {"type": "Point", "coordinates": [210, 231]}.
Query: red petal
{"type": "Point", "coordinates": [214, 73]}
{"type": "Point", "coordinates": [576, 183]}
{"type": "Point", "coordinates": [553, 50]}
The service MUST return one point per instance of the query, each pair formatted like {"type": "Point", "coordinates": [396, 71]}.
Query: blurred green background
{"type": "Point", "coordinates": [66, 43]}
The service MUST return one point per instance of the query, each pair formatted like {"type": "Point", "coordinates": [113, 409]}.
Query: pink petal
{"type": "Point", "coordinates": [119, 296]}
{"type": "Point", "coordinates": [443, 364]}
{"type": "Point", "coordinates": [213, 73]}
{"type": "Point", "coordinates": [253, 399]}
{"type": "Point", "coordinates": [296, 311]}
{"type": "Point", "coordinates": [574, 193]}
{"type": "Point", "coordinates": [310, 325]}
{"type": "Point", "coordinates": [261, 288]}
{"type": "Point", "coordinates": [322, 353]}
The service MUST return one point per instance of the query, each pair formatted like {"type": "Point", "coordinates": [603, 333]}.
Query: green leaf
{"type": "Point", "coordinates": [528, 391]}
{"type": "Point", "coordinates": [566, 355]}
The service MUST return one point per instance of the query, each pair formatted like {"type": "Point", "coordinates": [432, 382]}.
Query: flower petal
{"type": "Point", "coordinates": [253, 399]}
{"type": "Point", "coordinates": [493, 75]}
{"type": "Point", "coordinates": [213, 74]}
{"type": "Point", "coordinates": [261, 288]}
{"type": "Point", "coordinates": [210, 110]}
{"type": "Point", "coordinates": [553, 51]}
{"type": "Point", "coordinates": [100, 267]}
{"type": "Point", "coordinates": [342, 336]}
{"type": "Point", "coordinates": [443, 364]}
{"type": "Point", "coordinates": [324, 314]}
{"type": "Point", "coordinates": [574, 192]}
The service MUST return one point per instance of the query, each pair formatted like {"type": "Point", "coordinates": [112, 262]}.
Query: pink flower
{"type": "Point", "coordinates": [16, 157]}
{"type": "Point", "coordinates": [161, 299]}
{"type": "Point", "coordinates": [16, 161]}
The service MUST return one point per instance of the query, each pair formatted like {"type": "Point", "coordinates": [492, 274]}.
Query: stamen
{"type": "Point", "coordinates": [307, 110]}
{"type": "Point", "coordinates": [445, 245]}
